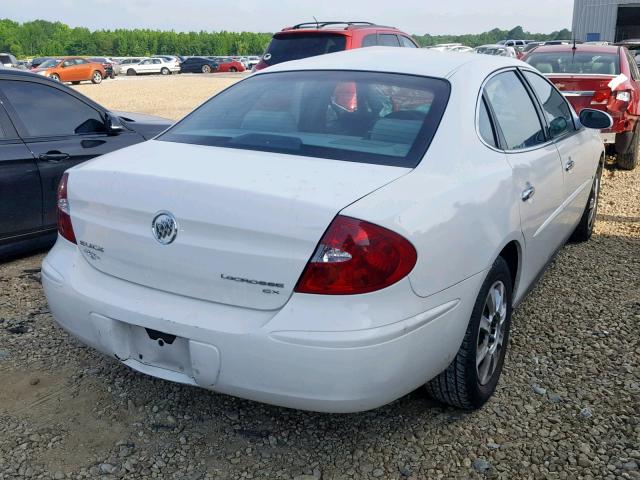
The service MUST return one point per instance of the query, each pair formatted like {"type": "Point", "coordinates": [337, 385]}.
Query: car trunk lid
{"type": "Point", "coordinates": [247, 221]}
{"type": "Point", "coordinates": [584, 91]}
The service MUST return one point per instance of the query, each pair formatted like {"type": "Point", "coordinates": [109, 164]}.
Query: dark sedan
{"type": "Point", "coordinates": [198, 65]}
{"type": "Point", "coordinates": [46, 128]}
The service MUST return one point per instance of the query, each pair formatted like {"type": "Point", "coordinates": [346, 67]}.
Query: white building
{"type": "Point", "coordinates": [606, 20]}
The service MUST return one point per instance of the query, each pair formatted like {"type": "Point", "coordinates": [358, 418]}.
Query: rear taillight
{"type": "Point", "coordinates": [601, 97]}
{"type": "Point", "coordinates": [354, 257]}
{"type": "Point", "coordinates": [619, 101]}
{"type": "Point", "coordinates": [65, 228]}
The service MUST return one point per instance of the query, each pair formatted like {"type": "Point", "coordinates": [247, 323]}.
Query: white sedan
{"type": "Point", "coordinates": [153, 65]}
{"type": "Point", "coordinates": [343, 237]}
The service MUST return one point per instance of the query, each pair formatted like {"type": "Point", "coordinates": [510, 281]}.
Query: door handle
{"type": "Point", "coordinates": [569, 165]}
{"type": "Point", "coordinates": [53, 156]}
{"type": "Point", "coordinates": [528, 192]}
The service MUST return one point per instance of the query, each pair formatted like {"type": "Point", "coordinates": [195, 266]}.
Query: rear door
{"type": "Point", "coordinates": [20, 190]}
{"type": "Point", "coordinates": [61, 131]}
{"type": "Point", "coordinates": [537, 170]}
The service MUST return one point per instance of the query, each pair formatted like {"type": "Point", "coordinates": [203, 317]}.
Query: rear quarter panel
{"type": "Point", "coordinates": [457, 207]}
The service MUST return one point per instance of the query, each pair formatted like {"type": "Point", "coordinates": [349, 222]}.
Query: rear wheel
{"type": "Point", "coordinates": [165, 71]}
{"type": "Point", "coordinates": [472, 377]}
{"type": "Point", "coordinates": [206, 69]}
{"type": "Point", "coordinates": [584, 230]}
{"type": "Point", "coordinates": [96, 77]}
{"type": "Point", "coordinates": [131, 72]}
{"type": "Point", "coordinates": [628, 159]}
{"type": "Point", "coordinates": [55, 76]}
{"type": "Point", "coordinates": [233, 69]}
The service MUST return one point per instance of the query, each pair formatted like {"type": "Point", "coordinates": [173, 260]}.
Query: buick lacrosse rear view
{"type": "Point", "coordinates": [327, 235]}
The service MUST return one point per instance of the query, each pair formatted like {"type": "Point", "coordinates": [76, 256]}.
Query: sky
{"type": "Point", "coordinates": [412, 16]}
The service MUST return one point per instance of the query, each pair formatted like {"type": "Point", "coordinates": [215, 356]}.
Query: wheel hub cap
{"type": "Point", "coordinates": [491, 332]}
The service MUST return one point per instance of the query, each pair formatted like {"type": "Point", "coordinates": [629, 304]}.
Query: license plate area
{"type": "Point", "coordinates": [159, 349]}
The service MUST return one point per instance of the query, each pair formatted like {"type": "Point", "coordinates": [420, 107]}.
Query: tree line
{"type": "Point", "coordinates": [492, 36]}
{"type": "Point", "coordinates": [44, 38]}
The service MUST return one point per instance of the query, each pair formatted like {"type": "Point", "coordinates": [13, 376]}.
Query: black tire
{"type": "Point", "coordinates": [55, 76]}
{"type": "Point", "coordinates": [461, 385]}
{"type": "Point", "coordinates": [165, 71]}
{"type": "Point", "coordinates": [96, 77]}
{"type": "Point", "coordinates": [131, 72]}
{"type": "Point", "coordinates": [233, 69]}
{"type": "Point", "coordinates": [628, 160]}
{"type": "Point", "coordinates": [206, 68]}
{"type": "Point", "coordinates": [75, 83]}
{"type": "Point", "coordinates": [584, 230]}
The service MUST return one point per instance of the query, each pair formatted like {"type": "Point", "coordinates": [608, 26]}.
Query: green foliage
{"type": "Point", "coordinates": [42, 38]}
{"type": "Point", "coordinates": [492, 36]}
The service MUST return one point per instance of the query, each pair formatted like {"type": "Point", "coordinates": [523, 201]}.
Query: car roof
{"type": "Point", "coordinates": [333, 26]}
{"type": "Point", "coordinates": [414, 61]}
{"type": "Point", "coordinates": [579, 48]}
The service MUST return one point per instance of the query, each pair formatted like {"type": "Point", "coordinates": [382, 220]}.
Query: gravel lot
{"type": "Point", "coordinates": [171, 97]}
{"type": "Point", "coordinates": [567, 406]}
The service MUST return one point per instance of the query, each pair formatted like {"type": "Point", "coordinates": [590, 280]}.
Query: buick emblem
{"type": "Point", "coordinates": [164, 228]}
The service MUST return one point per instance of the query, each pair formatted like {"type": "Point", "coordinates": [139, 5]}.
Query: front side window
{"type": "Point", "coordinates": [405, 42]}
{"type": "Point", "coordinates": [55, 113]}
{"type": "Point", "coordinates": [554, 106]}
{"type": "Point", "coordinates": [368, 117]}
{"type": "Point", "coordinates": [514, 111]}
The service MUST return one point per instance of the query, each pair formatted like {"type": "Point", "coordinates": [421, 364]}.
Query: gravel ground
{"type": "Point", "coordinates": [567, 406]}
{"type": "Point", "coordinates": [179, 94]}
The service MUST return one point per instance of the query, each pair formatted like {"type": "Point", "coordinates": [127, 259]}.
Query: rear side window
{"type": "Point", "coordinates": [388, 40]}
{"type": "Point", "coordinates": [285, 47]}
{"type": "Point", "coordinates": [370, 40]}
{"type": "Point", "coordinates": [514, 111]}
{"type": "Point", "coordinates": [554, 106]}
{"type": "Point", "coordinates": [380, 118]}
{"type": "Point", "coordinates": [55, 112]}
{"type": "Point", "coordinates": [484, 125]}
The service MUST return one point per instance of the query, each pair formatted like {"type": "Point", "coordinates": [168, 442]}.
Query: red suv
{"type": "Point", "coordinates": [317, 38]}
{"type": "Point", "coordinates": [601, 77]}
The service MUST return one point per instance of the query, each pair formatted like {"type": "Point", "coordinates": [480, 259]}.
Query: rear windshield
{"type": "Point", "coordinates": [379, 118]}
{"type": "Point", "coordinates": [578, 63]}
{"type": "Point", "coordinates": [295, 46]}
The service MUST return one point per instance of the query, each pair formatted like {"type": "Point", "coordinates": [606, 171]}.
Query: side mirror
{"type": "Point", "coordinates": [113, 124]}
{"type": "Point", "coordinates": [596, 119]}
{"type": "Point", "coordinates": [557, 126]}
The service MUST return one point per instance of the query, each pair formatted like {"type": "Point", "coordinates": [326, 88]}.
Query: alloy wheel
{"type": "Point", "coordinates": [491, 332]}
{"type": "Point", "coordinates": [593, 200]}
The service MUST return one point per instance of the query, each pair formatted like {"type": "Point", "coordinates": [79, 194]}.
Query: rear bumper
{"type": "Point", "coordinates": [259, 355]}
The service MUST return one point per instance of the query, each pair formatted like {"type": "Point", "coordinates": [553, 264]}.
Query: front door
{"type": "Point", "coordinates": [575, 147]}
{"type": "Point", "coordinates": [61, 131]}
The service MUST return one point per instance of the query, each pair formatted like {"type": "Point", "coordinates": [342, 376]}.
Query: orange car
{"type": "Point", "coordinates": [71, 69]}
